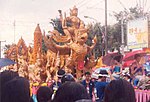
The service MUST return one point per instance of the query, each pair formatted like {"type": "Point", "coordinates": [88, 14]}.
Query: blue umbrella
{"type": "Point", "coordinates": [6, 62]}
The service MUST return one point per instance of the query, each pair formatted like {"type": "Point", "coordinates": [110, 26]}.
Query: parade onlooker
{"type": "Point", "coordinates": [127, 77]}
{"type": "Point", "coordinates": [16, 90]}
{"type": "Point", "coordinates": [88, 84]}
{"type": "Point", "coordinates": [117, 69]}
{"type": "Point", "coordinates": [44, 94]}
{"type": "Point", "coordinates": [144, 83]}
{"type": "Point", "coordinates": [137, 70]}
{"type": "Point", "coordinates": [66, 78]}
{"type": "Point", "coordinates": [57, 81]}
{"type": "Point", "coordinates": [100, 87]}
{"type": "Point", "coordinates": [70, 92]}
{"type": "Point", "coordinates": [119, 91]}
{"type": "Point", "coordinates": [5, 77]}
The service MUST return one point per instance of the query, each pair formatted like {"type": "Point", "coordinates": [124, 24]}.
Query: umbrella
{"type": "Point", "coordinates": [6, 62]}
{"type": "Point", "coordinates": [130, 55]}
{"type": "Point", "coordinates": [109, 58]}
{"type": "Point", "coordinates": [127, 63]}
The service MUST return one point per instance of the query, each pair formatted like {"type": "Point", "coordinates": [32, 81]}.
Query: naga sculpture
{"type": "Point", "coordinates": [74, 48]}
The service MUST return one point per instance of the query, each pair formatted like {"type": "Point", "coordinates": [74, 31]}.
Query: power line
{"type": "Point", "coordinates": [122, 5]}
{"type": "Point", "coordinates": [80, 2]}
{"type": "Point", "coordinates": [97, 3]}
{"type": "Point", "coordinates": [91, 6]}
{"type": "Point", "coordinates": [84, 4]}
{"type": "Point", "coordinates": [20, 23]}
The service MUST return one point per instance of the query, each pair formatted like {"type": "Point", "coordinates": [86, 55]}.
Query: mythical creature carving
{"type": "Point", "coordinates": [74, 40]}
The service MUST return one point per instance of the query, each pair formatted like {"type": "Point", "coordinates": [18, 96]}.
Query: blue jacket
{"type": "Point", "coordinates": [100, 87]}
{"type": "Point", "coordinates": [91, 86]}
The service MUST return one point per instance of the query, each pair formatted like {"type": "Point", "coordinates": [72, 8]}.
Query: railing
{"type": "Point", "coordinates": [142, 95]}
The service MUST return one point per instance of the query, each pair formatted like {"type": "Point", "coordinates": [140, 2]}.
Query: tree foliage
{"type": "Point", "coordinates": [132, 13]}
{"type": "Point", "coordinates": [57, 24]}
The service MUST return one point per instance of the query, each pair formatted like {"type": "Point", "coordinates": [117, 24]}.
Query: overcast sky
{"type": "Point", "coordinates": [28, 13]}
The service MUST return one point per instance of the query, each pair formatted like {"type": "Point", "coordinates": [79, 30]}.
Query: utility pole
{"type": "Point", "coordinates": [0, 47]}
{"type": "Point", "coordinates": [122, 34]}
{"type": "Point", "coordinates": [14, 24]}
{"type": "Point", "coordinates": [106, 50]}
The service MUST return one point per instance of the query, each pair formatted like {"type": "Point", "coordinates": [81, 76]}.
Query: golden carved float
{"type": "Point", "coordinates": [35, 64]}
{"type": "Point", "coordinates": [74, 47]}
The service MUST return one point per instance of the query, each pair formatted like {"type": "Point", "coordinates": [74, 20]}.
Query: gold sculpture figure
{"type": "Point", "coordinates": [23, 67]}
{"type": "Point", "coordinates": [75, 48]}
{"type": "Point", "coordinates": [30, 55]}
{"type": "Point", "coordinates": [69, 25]}
{"type": "Point", "coordinates": [90, 63]}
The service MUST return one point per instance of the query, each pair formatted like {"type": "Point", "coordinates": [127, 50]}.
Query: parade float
{"type": "Point", "coordinates": [64, 51]}
{"type": "Point", "coordinates": [73, 46]}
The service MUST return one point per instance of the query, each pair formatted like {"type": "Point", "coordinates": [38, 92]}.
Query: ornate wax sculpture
{"type": "Point", "coordinates": [73, 51]}
{"type": "Point", "coordinates": [23, 67]}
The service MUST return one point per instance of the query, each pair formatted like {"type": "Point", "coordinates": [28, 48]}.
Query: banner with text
{"type": "Point", "coordinates": [137, 33]}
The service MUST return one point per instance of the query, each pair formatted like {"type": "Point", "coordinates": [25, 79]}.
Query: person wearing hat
{"type": "Point", "coordinates": [67, 77]}
{"type": "Point", "coordinates": [57, 82]}
{"type": "Point", "coordinates": [100, 87]}
{"type": "Point", "coordinates": [127, 77]}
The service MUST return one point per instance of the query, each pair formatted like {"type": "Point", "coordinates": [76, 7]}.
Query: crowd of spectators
{"type": "Point", "coordinates": [17, 89]}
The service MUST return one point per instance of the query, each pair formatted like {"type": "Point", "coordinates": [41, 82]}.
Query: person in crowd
{"type": "Point", "coordinates": [117, 69]}
{"type": "Point", "coordinates": [5, 77]}
{"type": "Point", "coordinates": [71, 92]}
{"type": "Point", "coordinates": [57, 82]}
{"type": "Point", "coordinates": [16, 90]}
{"type": "Point", "coordinates": [67, 77]}
{"type": "Point", "coordinates": [100, 87]}
{"type": "Point", "coordinates": [144, 83]}
{"type": "Point", "coordinates": [88, 84]}
{"type": "Point", "coordinates": [127, 77]}
{"type": "Point", "coordinates": [44, 94]}
{"type": "Point", "coordinates": [102, 83]}
{"type": "Point", "coordinates": [119, 91]}
{"type": "Point", "coordinates": [137, 70]}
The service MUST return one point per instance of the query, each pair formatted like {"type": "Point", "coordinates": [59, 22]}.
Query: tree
{"type": "Point", "coordinates": [114, 37]}
{"type": "Point", "coordinates": [95, 30]}
{"type": "Point", "coordinates": [57, 24]}
{"type": "Point", "coordinates": [132, 13]}
{"type": "Point", "coordinates": [6, 47]}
